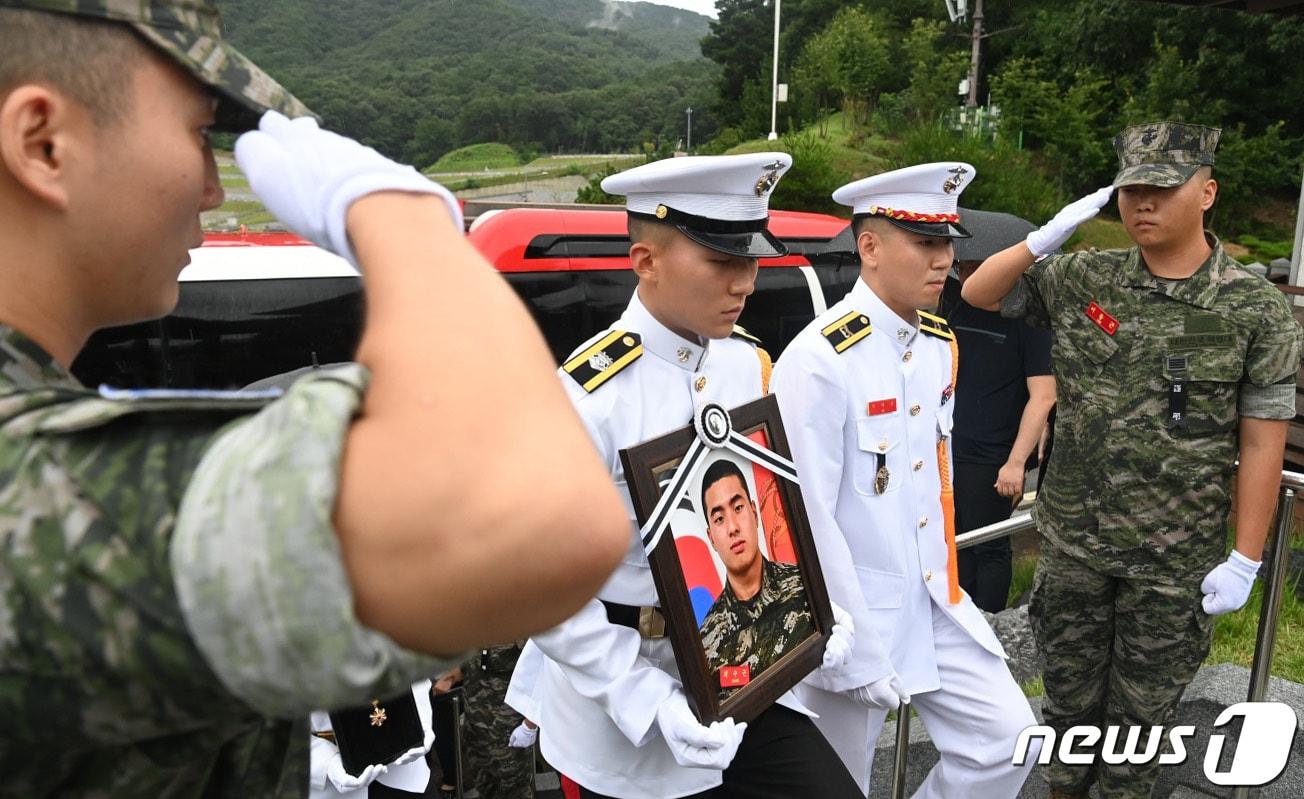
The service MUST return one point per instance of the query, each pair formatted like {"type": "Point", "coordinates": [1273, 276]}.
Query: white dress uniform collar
{"type": "Point", "coordinates": [885, 321]}
{"type": "Point", "coordinates": [660, 340]}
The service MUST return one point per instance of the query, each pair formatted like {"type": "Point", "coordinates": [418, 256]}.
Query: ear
{"type": "Point", "coordinates": [38, 133]}
{"type": "Point", "coordinates": [1208, 194]}
{"type": "Point", "coordinates": [642, 259]}
{"type": "Point", "coordinates": [868, 244]}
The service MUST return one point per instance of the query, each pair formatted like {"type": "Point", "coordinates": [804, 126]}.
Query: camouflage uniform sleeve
{"type": "Point", "coordinates": [257, 565]}
{"type": "Point", "coordinates": [1033, 297]}
{"type": "Point", "coordinates": [1271, 363]}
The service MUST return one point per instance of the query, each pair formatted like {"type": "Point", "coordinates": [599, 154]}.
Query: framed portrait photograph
{"type": "Point", "coordinates": [732, 556]}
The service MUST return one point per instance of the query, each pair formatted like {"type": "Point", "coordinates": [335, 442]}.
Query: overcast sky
{"type": "Point", "coordinates": [706, 7]}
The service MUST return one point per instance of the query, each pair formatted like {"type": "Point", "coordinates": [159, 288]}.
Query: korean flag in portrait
{"type": "Point", "coordinates": [704, 572]}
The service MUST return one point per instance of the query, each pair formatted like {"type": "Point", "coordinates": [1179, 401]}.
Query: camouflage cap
{"type": "Point", "coordinates": [1163, 153]}
{"type": "Point", "coordinates": [190, 33]}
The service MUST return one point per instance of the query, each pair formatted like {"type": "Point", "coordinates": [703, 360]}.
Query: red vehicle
{"type": "Point", "coordinates": [258, 304]}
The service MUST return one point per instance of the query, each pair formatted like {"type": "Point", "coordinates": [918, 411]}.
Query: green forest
{"type": "Point", "coordinates": [873, 84]}
{"type": "Point", "coordinates": [1063, 77]}
{"type": "Point", "coordinates": [418, 78]}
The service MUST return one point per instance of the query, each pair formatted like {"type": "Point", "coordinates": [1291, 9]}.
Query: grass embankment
{"type": "Point", "coordinates": [489, 155]}
{"type": "Point", "coordinates": [1234, 633]}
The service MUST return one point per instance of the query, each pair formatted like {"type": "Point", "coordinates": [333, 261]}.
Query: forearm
{"type": "Point", "coordinates": [473, 508]}
{"type": "Point", "coordinates": [996, 277]}
{"type": "Point", "coordinates": [1263, 444]}
{"type": "Point", "coordinates": [1031, 425]}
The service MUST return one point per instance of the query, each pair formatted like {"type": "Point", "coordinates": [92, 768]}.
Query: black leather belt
{"type": "Point", "coordinates": [647, 620]}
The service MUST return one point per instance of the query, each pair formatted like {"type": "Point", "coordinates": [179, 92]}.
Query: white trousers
{"type": "Point", "coordinates": [974, 720]}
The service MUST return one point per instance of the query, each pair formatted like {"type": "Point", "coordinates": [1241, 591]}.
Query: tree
{"type": "Point", "coordinates": [935, 69]}
{"type": "Point", "coordinates": [850, 61]}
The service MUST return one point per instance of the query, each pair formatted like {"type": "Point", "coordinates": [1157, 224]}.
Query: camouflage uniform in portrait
{"type": "Point", "coordinates": [493, 768]}
{"type": "Point", "coordinates": [1153, 376]}
{"type": "Point", "coordinates": [165, 606]}
{"type": "Point", "coordinates": [759, 631]}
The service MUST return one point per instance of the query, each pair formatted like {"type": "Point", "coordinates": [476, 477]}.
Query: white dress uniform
{"type": "Point", "coordinates": [865, 397]}
{"type": "Point", "coordinates": [596, 685]}
{"type": "Point", "coordinates": [601, 683]}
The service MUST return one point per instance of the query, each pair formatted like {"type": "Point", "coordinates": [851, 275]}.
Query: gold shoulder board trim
{"type": "Point", "coordinates": [604, 359]}
{"type": "Point", "coordinates": [847, 331]}
{"type": "Point", "coordinates": [935, 326]}
{"type": "Point", "coordinates": [741, 332]}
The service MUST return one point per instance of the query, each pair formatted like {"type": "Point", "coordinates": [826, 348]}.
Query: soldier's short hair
{"type": "Point", "coordinates": [880, 225]}
{"type": "Point", "coordinates": [86, 58]}
{"type": "Point", "coordinates": [716, 472]}
{"type": "Point", "coordinates": [641, 230]}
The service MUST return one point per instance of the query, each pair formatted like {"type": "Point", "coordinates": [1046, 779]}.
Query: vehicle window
{"type": "Point", "coordinates": [227, 334]}
{"type": "Point", "coordinates": [230, 333]}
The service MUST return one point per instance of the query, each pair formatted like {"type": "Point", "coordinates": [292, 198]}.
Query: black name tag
{"type": "Point", "coordinates": [1176, 404]}
{"type": "Point", "coordinates": [1201, 340]}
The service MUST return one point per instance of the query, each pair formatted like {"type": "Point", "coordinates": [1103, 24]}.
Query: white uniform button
{"type": "Point", "coordinates": [923, 522]}
{"type": "Point", "coordinates": [683, 354]}
{"type": "Point", "coordinates": [907, 356]}
{"type": "Point", "coordinates": [700, 384]}
{"type": "Point", "coordinates": [914, 410]}
{"type": "Point", "coordinates": [919, 465]}
{"type": "Point", "coordinates": [882, 446]}
{"type": "Point", "coordinates": [928, 576]}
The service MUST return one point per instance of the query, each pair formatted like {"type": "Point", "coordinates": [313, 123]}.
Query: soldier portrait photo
{"type": "Point", "coordinates": [747, 593]}
{"type": "Point", "coordinates": [761, 609]}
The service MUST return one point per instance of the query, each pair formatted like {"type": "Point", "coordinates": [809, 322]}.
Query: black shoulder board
{"type": "Point", "coordinates": [741, 332]}
{"type": "Point", "coordinates": [604, 359]}
{"type": "Point", "coordinates": [847, 331]}
{"type": "Point", "coordinates": [935, 326]}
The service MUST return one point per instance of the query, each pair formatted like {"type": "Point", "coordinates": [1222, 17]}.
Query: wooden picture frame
{"type": "Point", "coordinates": [681, 537]}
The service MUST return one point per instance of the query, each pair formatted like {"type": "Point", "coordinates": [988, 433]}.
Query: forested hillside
{"type": "Point", "coordinates": [417, 78]}
{"type": "Point", "coordinates": [1064, 75]}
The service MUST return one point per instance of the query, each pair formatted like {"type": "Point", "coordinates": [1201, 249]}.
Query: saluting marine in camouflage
{"type": "Point", "coordinates": [138, 663]}
{"type": "Point", "coordinates": [757, 632]}
{"type": "Point", "coordinates": [1154, 376]}
{"type": "Point", "coordinates": [173, 601]}
{"type": "Point", "coordinates": [493, 768]}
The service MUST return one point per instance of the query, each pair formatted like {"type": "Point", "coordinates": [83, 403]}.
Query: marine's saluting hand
{"type": "Point", "coordinates": [1048, 238]}
{"type": "Point", "coordinates": [308, 177]}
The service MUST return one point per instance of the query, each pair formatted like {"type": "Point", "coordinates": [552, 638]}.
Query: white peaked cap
{"type": "Point", "coordinates": [719, 201]}
{"type": "Point", "coordinates": [921, 198]}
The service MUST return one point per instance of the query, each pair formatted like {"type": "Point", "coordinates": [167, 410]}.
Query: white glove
{"type": "Point", "coordinates": [1228, 586]}
{"type": "Point", "coordinates": [416, 752]}
{"type": "Point", "coordinates": [886, 692]}
{"type": "Point", "coordinates": [842, 638]}
{"type": "Point", "coordinates": [344, 781]}
{"type": "Point", "coordinates": [523, 737]}
{"type": "Point", "coordinates": [693, 745]}
{"type": "Point", "coordinates": [308, 178]}
{"type": "Point", "coordinates": [1048, 238]}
